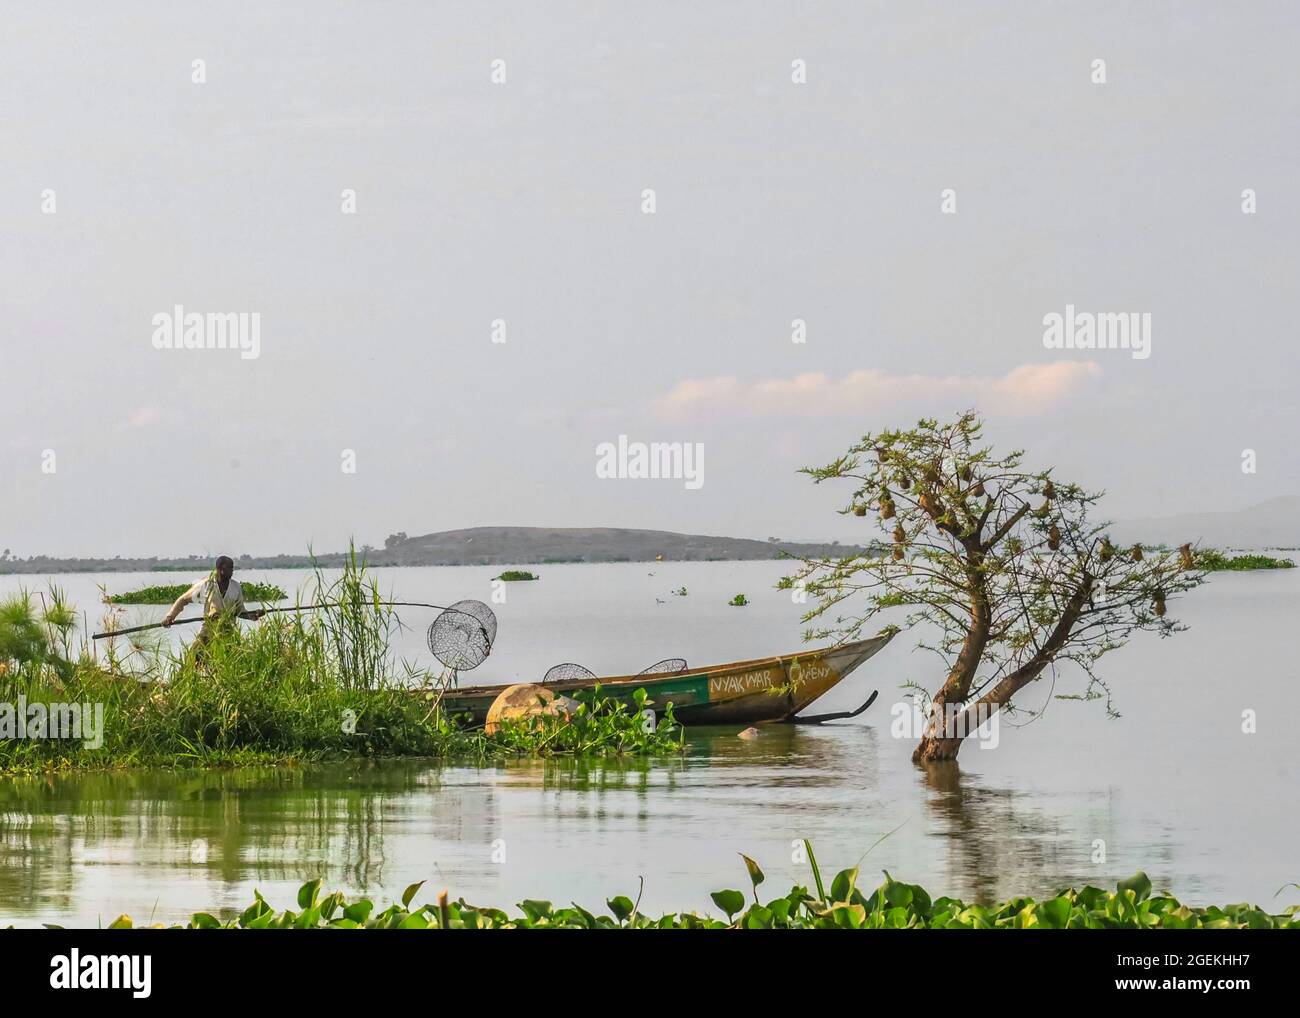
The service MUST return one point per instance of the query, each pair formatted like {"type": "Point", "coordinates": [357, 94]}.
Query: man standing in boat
{"type": "Point", "coordinates": [223, 601]}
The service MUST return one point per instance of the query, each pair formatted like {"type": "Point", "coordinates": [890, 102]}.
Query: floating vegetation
{"type": "Point", "coordinates": [598, 726]}
{"type": "Point", "coordinates": [739, 601]}
{"type": "Point", "coordinates": [892, 905]}
{"type": "Point", "coordinates": [679, 592]}
{"type": "Point", "coordinates": [1212, 561]}
{"type": "Point", "coordinates": [167, 593]}
{"type": "Point", "coordinates": [513, 575]}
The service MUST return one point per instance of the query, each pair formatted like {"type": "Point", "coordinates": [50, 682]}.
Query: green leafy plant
{"type": "Point", "coordinates": [600, 725]}
{"type": "Point", "coordinates": [511, 575]}
{"type": "Point", "coordinates": [739, 601]}
{"type": "Point", "coordinates": [892, 905]}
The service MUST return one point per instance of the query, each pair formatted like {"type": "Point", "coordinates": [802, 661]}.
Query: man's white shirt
{"type": "Point", "coordinates": [207, 592]}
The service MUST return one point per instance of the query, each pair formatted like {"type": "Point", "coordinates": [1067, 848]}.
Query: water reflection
{"type": "Point", "coordinates": [80, 849]}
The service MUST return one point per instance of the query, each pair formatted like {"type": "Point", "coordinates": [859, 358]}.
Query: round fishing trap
{"type": "Point", "coordinates": [462, 635]}
{"type": "Point", "coordinates": [566, 672]}
{"type": "Point", "coordinates": [668, 666]}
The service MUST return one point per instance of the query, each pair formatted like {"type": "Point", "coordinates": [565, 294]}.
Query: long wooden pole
{"type": "Point", "coordinates": [266, 611]}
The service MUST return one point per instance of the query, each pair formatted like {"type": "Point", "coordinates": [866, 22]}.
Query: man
{"type": "Point", "coordinates": [222, 598]}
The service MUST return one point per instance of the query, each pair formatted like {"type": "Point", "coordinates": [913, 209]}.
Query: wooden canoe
{"type": "Point", "coordinates": [743, 692]}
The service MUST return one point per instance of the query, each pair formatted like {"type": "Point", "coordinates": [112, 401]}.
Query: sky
{"type": "Point", "coordinates": [379, 401]}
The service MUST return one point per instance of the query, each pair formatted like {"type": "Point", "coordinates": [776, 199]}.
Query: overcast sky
{"type": "Point", "coordinates": [522, 201]}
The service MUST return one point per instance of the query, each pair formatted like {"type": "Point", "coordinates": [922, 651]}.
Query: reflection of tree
{"type": "Point", "coordinates": [1001, 845]}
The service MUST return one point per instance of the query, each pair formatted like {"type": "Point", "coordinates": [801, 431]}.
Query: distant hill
{"type": "Point", "coordinates": [480, 546]}
{"type": "Point", "coordinates": [507, 545]}
{"type": "Point", "coordinates": [1271, 524]}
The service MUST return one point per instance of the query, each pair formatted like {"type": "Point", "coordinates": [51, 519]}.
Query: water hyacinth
{"type": "Point", "coordinates": [894, 904]}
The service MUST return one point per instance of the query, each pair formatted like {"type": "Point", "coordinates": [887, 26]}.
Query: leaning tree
{"type": "Point", "coordinates": [1001, 563]}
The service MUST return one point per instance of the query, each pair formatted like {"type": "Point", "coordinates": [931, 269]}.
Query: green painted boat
{"type": "Point", "coordinates": [770, 689]}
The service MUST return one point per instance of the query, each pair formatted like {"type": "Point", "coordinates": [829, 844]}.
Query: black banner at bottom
{"type": "Point", "coordinates": [337, 967]}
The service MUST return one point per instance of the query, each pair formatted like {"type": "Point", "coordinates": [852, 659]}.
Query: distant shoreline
{"type": "Point", "coordinates": [479, 546]}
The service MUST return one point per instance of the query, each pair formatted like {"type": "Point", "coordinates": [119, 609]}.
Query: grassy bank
{"type": "Point", "coordinates": [842, 905]}
{"type": "Point", "coordinates": [294, 687]}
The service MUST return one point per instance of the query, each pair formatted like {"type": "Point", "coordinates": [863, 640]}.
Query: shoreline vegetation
{"type": "Point", "coordinates": [296, 687]}
{"type": "Point", "coordinates": [263, 593]}
{"type": "Point", "coordinates": [844, 905]}
{"type": "Point", "coordinates": [510, 549]}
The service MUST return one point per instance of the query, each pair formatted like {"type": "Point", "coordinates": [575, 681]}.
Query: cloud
{"type": "Point", "coordinates": [142, 417]}
{"type": "Point", "coordinates": [1024, 391]}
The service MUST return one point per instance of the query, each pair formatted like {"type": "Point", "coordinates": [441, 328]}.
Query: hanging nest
{"type": "Point", "coordinates": [1042, 511]}
{"type": "Point", "coordinates": [1158, 603]}
{"type": "Point", "coordinates": [1185, 560]}
{"type": "Point", "coordinates": [931, 475]}
{"type": "Point", "coordinates": [930, 504]}
{"type": "Point", "coordinates": [882, 453]}
{"type": "Point", "coordinates": [1136, 555]}
{"type": "Point", "coordinates": [1049, 491]}
{"type": "Point", "coordinates": [898, 553]}
{"type": "Point", "coordinates": [1054, 537]}
{"type": "Point", "coordinates": [900, 535]}
{"type": "Point", "coordinates": [1107, 549]}
{"type": "Point", "coordinates": [966, 473]}
{"type": "Point", "coordinates": [904, 481]}
{"type": "Point", "coordinates": [978, 490]}
{"type": "Point", "coordinates": [859, 510]}
{"type": "Point", "coordinates": [886, 507]}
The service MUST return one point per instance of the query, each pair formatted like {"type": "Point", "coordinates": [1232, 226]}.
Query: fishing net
{"type": "Point", "coordinates": [461, 637]}
{"type": "Point", "coordinates": [566, 672]}
{"type": "Point", "coordinates": [668, 666]}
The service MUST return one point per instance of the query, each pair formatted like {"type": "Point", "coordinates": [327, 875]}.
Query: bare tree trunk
{"type": "Point", "coordinates": [934, 745]}
{"type": "Point", "coordinates": [942, 741]}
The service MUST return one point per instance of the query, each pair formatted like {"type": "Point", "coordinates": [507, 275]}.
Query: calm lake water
{"type": "Point", "coordinates": [1173, 787]}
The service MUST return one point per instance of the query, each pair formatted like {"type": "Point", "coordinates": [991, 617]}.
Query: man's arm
{"type": "Point", "coordinates": [179, 604]}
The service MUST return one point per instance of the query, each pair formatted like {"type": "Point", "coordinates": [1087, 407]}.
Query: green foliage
{"type": "Point", "coordinates": [739, 601]}
{"type": "Point", "coordinates": [516, 574]}
{"type": "Point", "coordinates": [1212, 561]}
{"type": "Point", "coordinates": [35, 640]}
{"type": "Point", "coordinates": [892, 905]}
{"type": "Point", "coordinates": [167, 593]}
{"type": "Point", "coordinates": [599, 726]}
